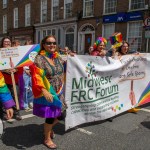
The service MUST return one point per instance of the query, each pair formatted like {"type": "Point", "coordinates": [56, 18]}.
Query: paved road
{"type": "Point", "coordinates": [128, 131]}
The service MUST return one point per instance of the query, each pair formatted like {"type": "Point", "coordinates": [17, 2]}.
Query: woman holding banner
{"type": "Point", "coordinates": [6, 43]}
{"type": "Point", "coordinates": [120, 51]}
{"type": "Point", "coordinates": [48, 87]}
{"type": "Point", "coordinates": [99, 47]}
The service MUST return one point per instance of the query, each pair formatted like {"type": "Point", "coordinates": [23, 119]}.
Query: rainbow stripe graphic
{"type": "Point", "coordinates": [145, 97]}
{"type": "Point", "coordinates": [28, 58]}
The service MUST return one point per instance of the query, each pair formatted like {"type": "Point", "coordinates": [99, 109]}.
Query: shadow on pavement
{"type": "Point", "coordinates": [146, 124]}
{"type": "Point", "coordinates": [59, 129]}
{"type": "Point", "coordinates": [26, 136]}
{"type": "Point", "coordinates": [22, 137]}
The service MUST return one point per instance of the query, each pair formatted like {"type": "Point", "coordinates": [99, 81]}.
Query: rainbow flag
{"type": "Point", "coordinates": [28, 58]}
{"type": "Point", "coordinates": [145, 97]}
{"type": "Point", "coordinates": [5, 95]}
{"type": "Point", "coordinates": [116, 38]}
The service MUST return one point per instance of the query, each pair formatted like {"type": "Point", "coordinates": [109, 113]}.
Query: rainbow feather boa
{"type": "Point", "coordinates": [49, 55]}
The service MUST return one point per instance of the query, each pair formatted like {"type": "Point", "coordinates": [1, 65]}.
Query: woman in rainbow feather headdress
{"type": "Point", "coordinates": [47, 75]}
{"type": "Point", "coordinates": [99, 47]}
{"type": "Point", "coordinates": [6, 98]}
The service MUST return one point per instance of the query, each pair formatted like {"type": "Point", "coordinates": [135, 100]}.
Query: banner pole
{"type": "Point", "coordinates": [14, 85]}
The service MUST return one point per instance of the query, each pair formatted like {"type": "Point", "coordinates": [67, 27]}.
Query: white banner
{"type": "Point", "coordinates": [18, 56]}
{"type": "Point", "coordinates": [99, 88]}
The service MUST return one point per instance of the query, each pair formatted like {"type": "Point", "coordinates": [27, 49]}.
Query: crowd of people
{"type": "Point", "coordinates": [44, 82]}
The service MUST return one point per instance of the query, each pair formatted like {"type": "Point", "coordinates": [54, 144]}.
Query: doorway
{"type": "Point", "coordinates": [88, 42]}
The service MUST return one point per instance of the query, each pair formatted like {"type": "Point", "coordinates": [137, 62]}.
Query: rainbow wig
{"type": "Point", "coordinates": [99, 41]}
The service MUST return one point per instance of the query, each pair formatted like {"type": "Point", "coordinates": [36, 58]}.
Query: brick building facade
{"type": "Point", "coordinates": [75, 24]}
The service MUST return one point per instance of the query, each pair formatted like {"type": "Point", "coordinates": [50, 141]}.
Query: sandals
{"type": "Point", "coordinates": [52, 134]}
{"type": "Point", "coordinates": [50, 146]}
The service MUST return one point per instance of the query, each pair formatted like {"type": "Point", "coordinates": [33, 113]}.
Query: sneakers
{"type": "Point", "coordinates": [27, 109]}
{"type": "Point", "coordinates": [31, 105]}
{"type": "Point", "coordinates": [17, 117]}
{"type": "Point", "coordinates": [16, 114]}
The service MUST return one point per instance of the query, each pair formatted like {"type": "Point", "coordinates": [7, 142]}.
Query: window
{"type": "Point", "coordinates": [55, 10]}
{"type": "Point", "coordinates": [53, 32]}
{"type": "Point", "coordinates": [108, 30]}
{"type": "Point", "coordinates": [15, 17]}
{"type": "Point", "coordinates": [88, 8]}
{"type": "Point", "coordinates": [135, 35]}
{"type": "Point", "coordinates": [5, 24]}
{"type": "Point", "coordinates": [4, 3]}
{"type": "Point", "coordinates": [27, 14]}
{"type": "Point", "coordinates": [44, 33]}
{"type": "Point", "coordinates": [59, 36]}
{"type": "Point", "coordinates": [39, 36]}
{"type": "Point", "coordinates": [43, 10]}
{"type": "Point", "coordinates": [68, 8]}
{"type": "Point", "coordinates": [49, 32]}
{"type": "Point", "coordinates": [110, 6]}
{"type": "Point", "coordinates": [137, 4]}
{"type": "Point", "coordinates": [70, 38]}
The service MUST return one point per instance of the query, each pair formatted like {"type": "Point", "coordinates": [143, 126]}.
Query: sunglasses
{"type": "Point", "coordinates": [50, 43]}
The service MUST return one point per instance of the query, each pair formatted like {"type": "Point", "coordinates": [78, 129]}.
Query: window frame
{"type": "Point", "coordinates": [15, 13]}
{"type": "Point", "coordinates": [5, 4]}
{"type": "Point", "coordinates": [67, 32]}
{"type": "Point", "coordinates": [65, 3]}
{"type": "Point", "coordinates": [43, 1]}
{"type": "Point", "coordinates": [52, 13]}
{"type": "Point", "coordinates": [84, 16]}
{"type": "Point", "coordinates": [109, 12]}
{"type": "Point", "coordinates": [107, 38]}
{"type": "Point", "coordinates": [28, 14]}
{"type": "Point", "coordinates": [140, 21]}
{"type": "Point", "coordinates": [5, 23]}
{"type": "Point", "coordinates": [135, 9]}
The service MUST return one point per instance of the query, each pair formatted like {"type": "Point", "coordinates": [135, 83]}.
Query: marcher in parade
{"type": "Point", "coordinates": [6, 43]}
{"type": "Point", "coordinates": [119, 52]}
{"type": "Point", "coordinates": [16, 43]}
{"type": "Point", "coordinates": [91, 49]}
{"type": "Point", "coordinates": [27, 94]}
{"type": "Point", "coordinates": [5, 98]}
{"type": "Point", "coordinates": [28, 42]}
{"type": "Point", "coordinates": [48, 83]}
{"type": "Point", "coordinates": [122, 50]}
{"type": "Point", "coordinates": [99, 47]}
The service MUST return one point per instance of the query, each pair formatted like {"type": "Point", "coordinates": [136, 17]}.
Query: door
{"type": "Point", "coordinates": [88, 41]}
